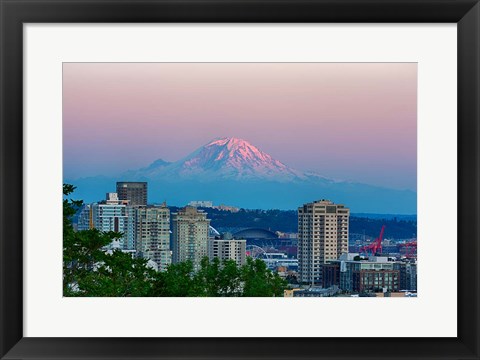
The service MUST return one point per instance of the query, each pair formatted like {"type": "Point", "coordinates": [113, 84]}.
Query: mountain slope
{"type": "Point", "coordinates": [225, 158]}
{"type": "Point", "coordinates": [233, 171]}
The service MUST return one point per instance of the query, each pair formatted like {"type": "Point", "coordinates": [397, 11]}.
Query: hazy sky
{"type": "Point", "coordinates": [346, 121]}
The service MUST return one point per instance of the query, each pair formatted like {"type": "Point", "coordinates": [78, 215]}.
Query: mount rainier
{"type": "Point", "coordinates": [232, 171]}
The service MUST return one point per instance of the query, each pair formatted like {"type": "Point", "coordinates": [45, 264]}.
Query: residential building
{"type": "Point", "coordinates": [228, 248]}
{"type": "Point", "coordinates": [331, 275]}
{"type": "Point", "coordinates": [372, 280]}
{"type": "Point", "coordinates": [408, 275]}
{"type": "Point", "coordinates": [412, 277]}
{"type": "Point", "coordinates": [201, 203]}
{"type": "Point", "coordinates": [152, 234]}
{"type": "Point", "coordinates": [190, 235]}
{"type": "Point", "coordinates": [115, 215]}
{"type": "Point", "coordinates": [322, 237]}
{"type": "Point", "coordinates": [353, 274]}
{"type": "Point", "coordinates": [85, 221]}
{"type": "Point", "coordinates": [134, 192]}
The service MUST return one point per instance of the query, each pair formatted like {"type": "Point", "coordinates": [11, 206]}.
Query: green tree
{"type": "Point", "coordinates": [206, 278]}
{"type": "Point", "coordinates": [258, 280]}
{"type": "Point", "coordinates": [118, 275]}
{"type": "Point", "coordinates": [176, 281]}
{"type": "Point", "coordinates": [88, 270]}
{"type": "Point", "coordinates": [218, 279]}
{"type": "Point", "coordinates": [230, 279]}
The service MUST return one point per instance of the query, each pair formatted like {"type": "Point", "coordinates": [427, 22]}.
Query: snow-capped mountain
{"type": "Point", "coordinates": [233, 171]}
{"type": "Point", "coordinates": [224, 158]}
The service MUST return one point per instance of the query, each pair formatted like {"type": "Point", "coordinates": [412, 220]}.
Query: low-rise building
{"type": "Point", "coordinates": [228, 248]}
{"type": "Point", "coordinates": [317, 292]}
{"type": "Point", "coordinates": [201, 203]}
{"type": "Point", "coordinates": [355, 274]}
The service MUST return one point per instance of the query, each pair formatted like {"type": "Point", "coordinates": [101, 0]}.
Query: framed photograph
{"type": "Point", "coordinates": [240, 179]}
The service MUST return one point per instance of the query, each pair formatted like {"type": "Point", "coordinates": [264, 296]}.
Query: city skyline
{"type": "Point", "coordinates": [120, 117]}
{"type": "Point", "coordinates": [318, 259]}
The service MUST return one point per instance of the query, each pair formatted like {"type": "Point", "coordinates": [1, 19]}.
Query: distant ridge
{"type": "Point", "coordinates": [406, 217]}
{"type": "Point", "coordinates": [232, 171]}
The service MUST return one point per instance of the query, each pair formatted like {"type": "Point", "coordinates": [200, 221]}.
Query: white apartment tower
{"type": "Point", "coordinates": [322, 236]}
{"type": "Point", "coordinates": [152, 234]}
{"type": "Point", "coordinates": [190, 236]}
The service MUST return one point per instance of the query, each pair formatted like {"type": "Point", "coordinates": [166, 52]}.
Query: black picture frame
{"type": "Point", "coordinates": [14, 13]}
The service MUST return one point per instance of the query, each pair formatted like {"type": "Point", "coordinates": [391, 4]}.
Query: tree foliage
{"type": "Point", "coordinates": [90, 270]}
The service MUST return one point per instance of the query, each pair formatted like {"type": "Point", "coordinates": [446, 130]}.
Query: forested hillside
{"type": "Point", "coordinates": [286, 221]}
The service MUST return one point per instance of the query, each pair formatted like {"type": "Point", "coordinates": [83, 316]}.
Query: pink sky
{"type": "Point", "coordinates": [346, 121]}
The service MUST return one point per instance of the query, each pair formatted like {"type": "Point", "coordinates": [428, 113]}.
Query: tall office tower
{"type": "Point", "coordinates": [152, 234]}
{"type": "Point", "coordinates": [135, 192]}
{"type": "Point", "coordinates": [228, 248]}
{"type": "Point", "coordinates": [190, 236]}
{"type": "Point", "coordinates": [115, 215]}
{"type": "Point", "coordinates": [322, 236]}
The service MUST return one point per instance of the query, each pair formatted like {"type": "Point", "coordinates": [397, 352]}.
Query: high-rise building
{"type": "Point", "coordinates": [134, 192]}
{"type": "Point", "coordinates": [190, 235]}
{"type": "Point", "coordinates": [85, 221]}
{"type": "Point", "coordinates": [412, 277]}
{"type": "Point", "coordinates": [115, 215]}
{"type": "Point", "coordinates": [408, 275]}
{"type": "Point", "coordinates": [152, 234]}
{"type": "Point", "coordinates": [322, 237]}
{"type": "Point", "coordinates": [228, 248]}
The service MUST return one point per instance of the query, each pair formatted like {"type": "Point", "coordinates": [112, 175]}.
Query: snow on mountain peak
{"type": "Point", "coordinates": [236, 155]}
{"type": "Point", "coordinates": [230, 157]}
{"type": "Point", "coordinates": [231, 148]}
